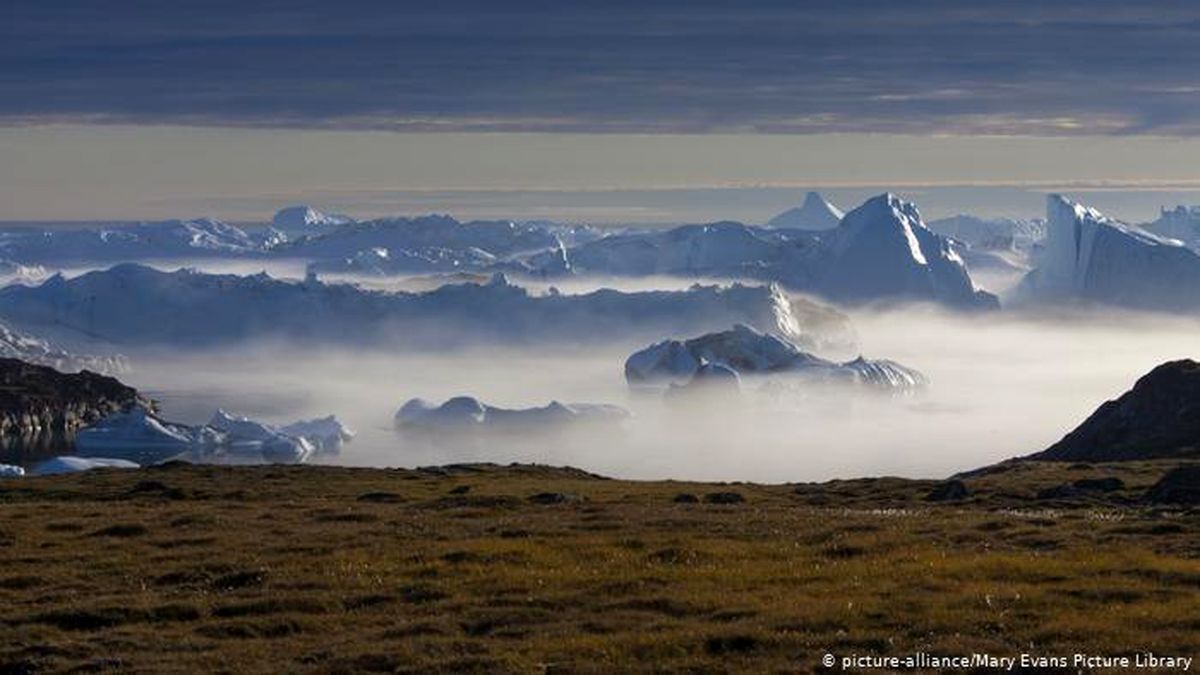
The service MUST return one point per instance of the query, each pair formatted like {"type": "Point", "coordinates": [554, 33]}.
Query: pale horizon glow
{"type": "Point", "coordinates": [116, 172]}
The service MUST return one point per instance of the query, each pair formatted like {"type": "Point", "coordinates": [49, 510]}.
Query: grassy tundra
{"type": "Point", "coordinates": [483, 568]}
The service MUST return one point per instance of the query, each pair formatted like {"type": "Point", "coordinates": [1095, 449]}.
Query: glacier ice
{"type": "Point", "coordinates": [243, 434]}
{"type": "Point", "coordinates": [1181, 222]}
{"type": "Point", "coordinates": [127, 241]}
{"type": "Point", "coordinates": [992, 234]}
{"type": "Point", "coordinates": [139, 432]}
{"type": "Point", "coordinates": [1091, 258]}
{"type": "Point", "coordinates": [880, 251]}
{"type": "Point", "coordinates": [325, 434]}
{"type": "Point", "coordinates": [137, 305]}
{"type": "Point", "coordinates": [71, 464]}
{"type": "Point", "coordinates": [748, 352]}
{"type": "Point", "coordinates": [306, 220]}
{"type": "Point", "coordinates": [17, 345]}
{"type": "Point", "coordinates": [465, 412]}
{"type": "Point", "coordinates": [142, 434]}
{"type": "Point", "coordinates": [816, 213]}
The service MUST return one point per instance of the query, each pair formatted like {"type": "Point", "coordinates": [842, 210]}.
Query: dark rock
{"type": "Point", "coordinates": [36, 400]}
{"type": "Point", "coordinates": [380, 497]}
{"type": "Point", "coordinates": [737, 644]}
{"type": "Point", "coordinates": [1108, 484]}
{"type": "Point", "coordinates": [1158, 418]}
{"type": "Point", "coordinates": [949, 491]}
{"type": "Point", "coordinates": [460, 489]}
{"type": "Point", "coordinates": [1061, 492]}
{"type": "Point", "coordinates": [1180, 485]}
{"type": "Point", "coordinates": [686, 498]}
{"type": "Point", "coordinates": [556, 498]}
{"type": "Point", "coordinates": [723, 498]}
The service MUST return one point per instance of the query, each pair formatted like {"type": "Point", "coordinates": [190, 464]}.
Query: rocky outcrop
{"type": "Point", "coordinates": [1158, 418]}
{"type": "Point", "coordinates": [1180, 485]}
{"type": "Point", "coordinates": [37, 400]}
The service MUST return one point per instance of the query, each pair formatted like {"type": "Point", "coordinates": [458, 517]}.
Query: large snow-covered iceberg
{"type": "Point", "coordinates": [815, 214]}
{"type": "Point", "coordinates": [880, 251]}
{"type": "Point", "coordinates": [883, 251]}
{"type": "Point", "coordinates": [137, 305]}
{"type": "Point", "coordinates": [465, 413]}
{"type": "Point", "coordinates": [1095, 259]}
{"type": "Point", "coordinates": [70, 464]}
{"type": "Point", "coordinates": [748, 353]}
{"type": "Point", "coordinates": [138, 432]}
{"type": "Point", "coordinates": [142, 434]}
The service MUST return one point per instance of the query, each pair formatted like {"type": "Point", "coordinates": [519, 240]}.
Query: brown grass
{"type": "Point", "coordinates": [311, 569]}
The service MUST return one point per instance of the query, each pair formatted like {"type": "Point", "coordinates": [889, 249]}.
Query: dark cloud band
{"type": "Point", "coordinates": [928, 66]}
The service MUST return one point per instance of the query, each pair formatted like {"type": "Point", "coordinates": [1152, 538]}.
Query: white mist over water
{"type": "Point", "coordinates": [1002, 385]}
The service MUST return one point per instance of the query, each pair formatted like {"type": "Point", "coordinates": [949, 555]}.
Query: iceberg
{"type": "Point", "coordinates": [304, 219]}
{"type": "Point", "coordinates": [815, 214]}
{"type": "Point", "coordinates": [992, 234]}
{"type": "Point", "coordinates": [880, 251]}
{"type": "Point", "coordinates": [465, 413]}
{"type": "Point", "coordinates": [68, 464]}
{"type": "Point", "coordinates": [883, 251]}
{"type": "Point", "coordinates": [10, 471]}
{"type": "Point", "coordinates": [17, 345]}
{"type": "Point", "coordinates": [747, 352]}
{"type": "Point", "coordinates": [497, 238]}
{"type": "Point", "coordinates": [16, 273]}
{"type": "Point", "coordinates": [243, 434]}
{"type": "Point", "coordinates": [1094, 259]}
{"type": "Point", "coordinates": [1181, 222]}
{"type": "Point", "coordinates": [381, 261]}
{"type": "Point", "coordinates": [325, 434]}
{"type": "Point", "coordinates": [125, 241]}
{"type": "Point", "coordinates": [137, 305]}
{"type": "Point", "coordinates": [138, 432]}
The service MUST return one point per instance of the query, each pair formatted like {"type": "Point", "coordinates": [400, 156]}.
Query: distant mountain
{"type": "Point", "coordinates": [815, 214]}
{"type": "Point", "coordinates": [880, 251]}
{"type": "Point", "coordinates": [166, 239]}
{"type": "Point", "coordinates": [1158, 418]}
{"type": "Point", "coordinates": [135, 305]}
{"type": "Point", "coordinates": [1092, 258]}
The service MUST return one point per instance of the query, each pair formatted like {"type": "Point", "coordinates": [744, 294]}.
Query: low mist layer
{"type": "Point", "coordinates": [1002, 385]}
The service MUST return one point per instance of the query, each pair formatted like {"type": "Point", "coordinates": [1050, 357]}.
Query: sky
{"type": "Point", "coordinates": [614, 110]}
